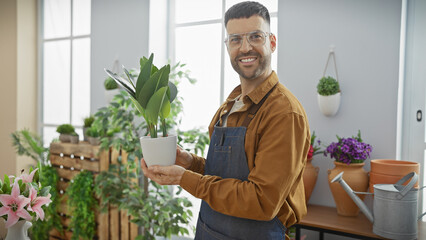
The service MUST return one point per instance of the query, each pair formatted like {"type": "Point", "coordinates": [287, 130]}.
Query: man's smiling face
{"type": "Point", "coordinates": [251, 63]}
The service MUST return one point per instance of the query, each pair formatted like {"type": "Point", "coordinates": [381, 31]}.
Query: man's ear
{"type": "Point", "coordinates": [273, 40]}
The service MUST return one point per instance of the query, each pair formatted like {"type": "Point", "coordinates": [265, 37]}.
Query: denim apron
{"type": "Point", "coordinates": [227, 159]}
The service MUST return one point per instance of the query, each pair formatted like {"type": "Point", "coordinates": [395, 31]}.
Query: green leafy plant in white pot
{"type": "Point", "coordinates": [111, 89]}
{"type": "Point", "coordinates": [152, 94]}
{"type": "Point", "coordinates": [328, 96]}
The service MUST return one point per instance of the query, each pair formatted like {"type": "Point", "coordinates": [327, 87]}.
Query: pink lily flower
{"type": "Point", "coordinates": [27, 178]}
{"type": "Point", "coordinates": [13, 206]}
{"type": "Point", "coordinates": [36, 203]}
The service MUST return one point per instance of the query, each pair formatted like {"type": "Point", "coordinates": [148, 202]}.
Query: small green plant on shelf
{"type": "Point", "coordinates": [328, 86]}
{"type": "Point", "coordinates": [82, 205]}
{"type": "Point", "coordinates": [88, 121]}
{"type": "Point", "coordinates": [65, 129]}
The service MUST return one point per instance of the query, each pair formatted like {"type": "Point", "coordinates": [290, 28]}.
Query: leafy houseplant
{"type": "Point", "coordinates": [152, 94]}
{"type": "Point", "coordinates": [328, 86]}
{"type": "Point", "coordinates": [124, 186]}
{"type": "Point", "coordinates": [328, 95]}
{"type": "Point", "coordinates": [31, 145]}
{"type": "Point", "coordinates": [82, 203]}
{"type": "Point", "coordinates": [65, 131]}
{"type": "Point", "coordinates": [349, 150]}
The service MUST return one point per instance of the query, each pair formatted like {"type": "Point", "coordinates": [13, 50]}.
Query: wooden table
{"type": "Point", "coordinates": [325, 220]}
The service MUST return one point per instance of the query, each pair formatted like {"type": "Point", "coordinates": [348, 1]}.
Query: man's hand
{"type": "Point", "coordinates": [163, 175]}
{"type": "Point", "coordinates": [183, 158]}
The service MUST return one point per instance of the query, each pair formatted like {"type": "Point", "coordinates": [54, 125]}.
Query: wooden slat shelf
{"type": "Point", "coordinates": [69, 159]}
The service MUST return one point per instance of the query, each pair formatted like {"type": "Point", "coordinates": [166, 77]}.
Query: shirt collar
{"type": "Point", "coordinates": [257, 94]}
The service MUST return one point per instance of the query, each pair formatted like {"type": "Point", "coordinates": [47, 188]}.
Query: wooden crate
{"type": "Point", "coordinates": [69, 159]}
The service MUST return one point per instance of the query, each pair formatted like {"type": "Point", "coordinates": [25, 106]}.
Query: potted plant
{"type": "Point", "coordinates": [88, 121]}
{"type": "Point", "coordinates": [93, 135]}
{"type": "Point", "coordinates": [65, 131]}
{"type": "Point", "coordinates": [328, 96]}
{"type": "Point", "coordinates": [111, 89]}
{"type": "Point", "coordinates": [30, 144]}
{"type": "Point", "coordinates": [152, 94]}
{"type": "Point", "coordinates": [349, 155]}
{"type": "Point", "coordinates": [21, 201]}
{"type": "Point", "coordinates": [310, 174]}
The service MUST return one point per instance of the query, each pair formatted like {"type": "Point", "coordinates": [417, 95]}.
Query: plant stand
{"type": "Point", "coordinates": [69, 159]}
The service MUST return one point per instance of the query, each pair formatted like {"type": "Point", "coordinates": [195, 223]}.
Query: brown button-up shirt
{"type": "Point", "coordinates": [276, 145]}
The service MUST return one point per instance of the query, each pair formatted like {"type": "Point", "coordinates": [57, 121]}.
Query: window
{"type": "Point", "coordinates": [65, 57]}
{"type": "Point", "coordinates": [196, 34]}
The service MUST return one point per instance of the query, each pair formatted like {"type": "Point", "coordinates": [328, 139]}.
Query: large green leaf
{"type": "Point", "coordinates": [145, 73]}
{"type": "Point", "coordinates": [158, 105]}
{"type": "Point", "coordinates": [172, 91]}
{"type": "Point", "coordinates": [156, 81]}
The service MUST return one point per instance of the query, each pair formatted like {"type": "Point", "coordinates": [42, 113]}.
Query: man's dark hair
{"type": "Point", "coordinates": [246, 10]}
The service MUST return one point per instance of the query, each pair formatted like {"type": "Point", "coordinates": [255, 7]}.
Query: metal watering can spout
{"type": "Point", "coordinates": [354, 197]}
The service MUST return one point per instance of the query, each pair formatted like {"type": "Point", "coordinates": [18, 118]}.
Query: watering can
{"type": "Point", "coordinates": [394, 206]}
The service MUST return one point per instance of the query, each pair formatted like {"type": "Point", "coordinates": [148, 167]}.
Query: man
{"type": "Point", "coordinates": [251, 182]}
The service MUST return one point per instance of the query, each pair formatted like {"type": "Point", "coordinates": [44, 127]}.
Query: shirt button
{"type": "Point", "coordinates": [225, 111]}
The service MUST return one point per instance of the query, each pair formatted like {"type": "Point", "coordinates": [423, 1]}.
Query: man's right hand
{"type": "Point", "coordinates": [183, 158]}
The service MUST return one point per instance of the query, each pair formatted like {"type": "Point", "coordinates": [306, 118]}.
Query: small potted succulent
{"type": "Point", "coordinates": [93, 135]}
{"type": "Point", "coordinates": [111, 89]}
{"type": "Point", "coordinates": [88, 121]}
{"type": "Point", "coordinates": [66, 132]}
{"type": "Point", "coordinates": [328, 95]}
{"type": "Point", "coordinates": [152, 94]}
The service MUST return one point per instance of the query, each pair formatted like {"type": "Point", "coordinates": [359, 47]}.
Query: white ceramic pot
{"type": "Point", "coordinates": [19, 231]}
{"type": "Point", "coordinates": [159, 151]}
{"type": "Point", "coordinates": [329, 105]}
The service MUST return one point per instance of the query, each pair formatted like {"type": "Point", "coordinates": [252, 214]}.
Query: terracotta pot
{"type": "Point", "coordinates": [310, 176]}
{"type": "Point", "coordinates": [356, 177]}
{"type": "Point", "coordinates": [387, 171]}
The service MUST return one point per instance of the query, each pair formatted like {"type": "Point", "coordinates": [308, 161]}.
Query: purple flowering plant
{"type": "Point", "coordinates": [349, 150]}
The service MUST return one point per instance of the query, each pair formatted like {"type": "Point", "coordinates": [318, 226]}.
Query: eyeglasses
{"type": "Point", "coordinates": [255, 39]}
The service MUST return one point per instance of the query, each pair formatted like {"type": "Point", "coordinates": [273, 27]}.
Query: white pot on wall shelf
{"type": "Point", "coordinates": [329, 105]}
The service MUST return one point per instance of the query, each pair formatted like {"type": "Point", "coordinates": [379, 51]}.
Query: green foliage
{"type": "Point", "coordinates": [29, 144]}
{"type": "Point", "coordinates": [110, 84]}
{"type": "Point", "coordinates": [196, 139]}
{"type": "Point", "coordinates": [152, 93]}
{"type": "Point", "coordinates": [158, 211]}
{"type": "Point", "coordinates": [88, 121]}
{"type": "Point", "coordinates": [40, 229]}
{"type": "Point", "coordinates": [92, 132]}
{"type": "Point", "coordinates": [65, 129]}
{"type": "Point", "coordinates": [82, 204]}
{"type": "Point", "coordinates": [153, 207]}
{"type": "Point", "coordinates": [328, 86]}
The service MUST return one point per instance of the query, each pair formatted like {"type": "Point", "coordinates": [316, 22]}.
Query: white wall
{"type": "Point", "coordinates": [366, 37]}
{"type": "Point", "coordinates": [120, 29]}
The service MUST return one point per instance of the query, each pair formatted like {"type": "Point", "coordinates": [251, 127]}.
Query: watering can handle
{"type": "Point", "coordinates": [414, 177]}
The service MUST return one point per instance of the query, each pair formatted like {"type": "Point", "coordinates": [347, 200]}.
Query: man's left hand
{"type": "Point", "coordinates": [163, 175]}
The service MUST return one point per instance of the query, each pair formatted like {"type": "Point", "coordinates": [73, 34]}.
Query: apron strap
{"type": "Point", "coordinates": [254, 108]}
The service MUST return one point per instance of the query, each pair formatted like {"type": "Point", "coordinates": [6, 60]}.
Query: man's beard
{"type": "Point", "coordinates": [264, 62]}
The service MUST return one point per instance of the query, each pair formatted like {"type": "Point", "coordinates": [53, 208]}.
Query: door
{"type": "Point", "coordinates": [413, 126]}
